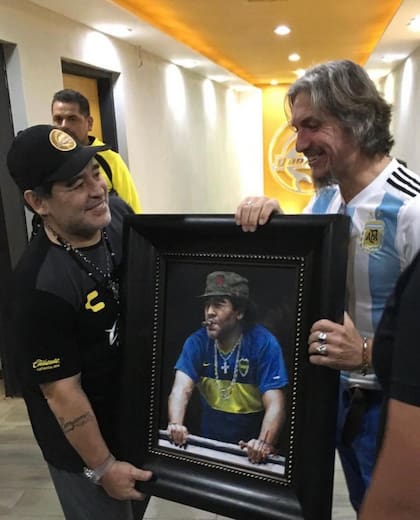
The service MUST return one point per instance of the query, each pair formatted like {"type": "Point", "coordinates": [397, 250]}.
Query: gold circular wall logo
{"type": "Point", "coordinates": [287, 166]}
{"type": "Point", "coordinates": [62, 141]}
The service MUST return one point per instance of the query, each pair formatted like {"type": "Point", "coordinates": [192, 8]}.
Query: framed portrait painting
{"type": "Point", "coordinates": [216, 368]}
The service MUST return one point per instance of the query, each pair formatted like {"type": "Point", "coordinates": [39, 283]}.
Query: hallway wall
{"type": "Point", "coordinates": [402, 89]}
{"type": "Point", "coordinates": [184, 137]}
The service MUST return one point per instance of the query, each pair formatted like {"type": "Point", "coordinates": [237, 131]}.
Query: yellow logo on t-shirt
{"type": "Point", "coordinates": [46, 364]}
{"type": "Point", "coordinates": [96, 307]}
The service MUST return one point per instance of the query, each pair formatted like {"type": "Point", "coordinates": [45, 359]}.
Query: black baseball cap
{"type": "Point", "coordinates": [44, 153]}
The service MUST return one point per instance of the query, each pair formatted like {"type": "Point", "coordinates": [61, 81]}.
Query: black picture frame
{"type": "Point", "coordinates": [295, 264]}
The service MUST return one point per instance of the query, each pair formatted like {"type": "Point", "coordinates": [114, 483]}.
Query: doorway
{"type": "Point", "coordinates": [13, 231]}
{"type": "Point", "coordinates": [97, 86]}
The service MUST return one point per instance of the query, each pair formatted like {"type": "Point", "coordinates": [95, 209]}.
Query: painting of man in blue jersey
{"type": "Point", "coordinates": [238, 367]}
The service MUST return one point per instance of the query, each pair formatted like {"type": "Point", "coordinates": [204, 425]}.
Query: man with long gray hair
{"type": "Point", "coordinates": [342, 126]}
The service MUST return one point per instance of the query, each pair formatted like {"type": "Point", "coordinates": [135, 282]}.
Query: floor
{"type": "Point", "coordinates": [26, 492]}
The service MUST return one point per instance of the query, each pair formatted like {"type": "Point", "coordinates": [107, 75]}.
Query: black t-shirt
{"type": "Point", "coordinates": [396, 352]}
{"type": "Point", "coordinates": [65, 323]}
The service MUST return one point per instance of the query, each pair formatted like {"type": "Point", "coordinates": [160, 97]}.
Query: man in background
{"type": "Point", "coordinates": [342, 126]}
{"type": "Point", "coordinates": [238, 367]}
{"type": "Point", "coordinates": [70, 111]}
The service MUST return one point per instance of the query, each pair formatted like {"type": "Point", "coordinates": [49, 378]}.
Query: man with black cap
{"type": "Point", "coordinates": [238, 368]}
{"type": "Point", "coordinates": [65, 308]}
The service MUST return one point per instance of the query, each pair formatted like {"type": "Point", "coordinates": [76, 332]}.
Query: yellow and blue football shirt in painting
{"type": "Point", "coordinates": [231, 393]}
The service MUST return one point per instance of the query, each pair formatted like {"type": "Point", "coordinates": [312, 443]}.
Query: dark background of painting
{"type": "Point", "coordinates": [272, 289]}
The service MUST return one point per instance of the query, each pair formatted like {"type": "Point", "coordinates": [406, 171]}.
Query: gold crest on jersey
{"type": "Point", "coordinates": [62, 141]}
{"type": "Point", "coordinates": [372, 235]}
{"type": "Point", "coordinates": [243, 366]}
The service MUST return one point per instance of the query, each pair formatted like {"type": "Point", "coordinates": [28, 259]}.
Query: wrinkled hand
{"type": "Point", "coordinates": [255, 211]}
{"type": "Point", "coordinates": [257, 450]}
{"type": "Point", "coordinates": [344, 345]}
{"type": "Point", "coordinates": [177, 434]}
{"type": "Point", "coordinates": [120, 479]}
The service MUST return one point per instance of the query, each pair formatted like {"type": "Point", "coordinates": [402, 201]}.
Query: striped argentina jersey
{"type": "Point", "coordinates": [385, 236]}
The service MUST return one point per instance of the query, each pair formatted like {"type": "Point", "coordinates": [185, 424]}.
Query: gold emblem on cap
{"type": "Point", "coordinates": [62, 141]}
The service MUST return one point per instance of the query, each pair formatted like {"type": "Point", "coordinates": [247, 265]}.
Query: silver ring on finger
{"type": "Point", "coordinates": [322, 349]}
{"type": "Point", "coordinates": [322, 336]}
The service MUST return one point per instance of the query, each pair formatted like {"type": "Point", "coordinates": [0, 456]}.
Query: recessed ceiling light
{"type": "Point", "coordinates": [414, 24]}
{"type": "Point", "coordinates": [274, 82]}
{"type": "Point", "coordinates": [186, 63]}
{"type": "Point", "coordinates": [294, 57]}
{"type": "Point", "coordinates": [282, 30]}
{"type": "Point", "coordinates": [114, 29]}
{"type": "Point", "coordinates": [390, 58]}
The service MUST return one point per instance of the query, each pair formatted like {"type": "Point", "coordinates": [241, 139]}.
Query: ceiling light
{"type": "Point", "coordinates": [186, 63]}
{"type": "Point", "coordinates": [114, 29]}
{"type": "Point", "coordinates": [389, 58]}
{"type": "Point", "coordinates": [414, 24]}
{"type": "Point", "coordinates": [294, 57]}
{"type": "Point", "coordinates": [282, 30]}
{"type": "Point", "coordinates": [274, 82]}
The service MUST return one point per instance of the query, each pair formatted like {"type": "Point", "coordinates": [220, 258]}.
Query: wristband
{"type": "Point", "coordinates": [96, 474]}
{"type": "Point", "coordinates": [365, 357]}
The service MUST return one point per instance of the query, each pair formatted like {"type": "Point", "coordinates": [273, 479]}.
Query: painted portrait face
{"type": "Point", "coordinates": [222, 319]}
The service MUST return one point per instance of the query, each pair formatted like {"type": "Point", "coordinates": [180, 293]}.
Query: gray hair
{"type": "Point", "coordinates": [344, 90]}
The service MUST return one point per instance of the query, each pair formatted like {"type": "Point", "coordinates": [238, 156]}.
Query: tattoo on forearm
{"type": "Point", "coordinates": [68, 426]}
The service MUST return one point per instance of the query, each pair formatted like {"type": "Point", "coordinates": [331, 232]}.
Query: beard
{"type": "Point", "coordinates": [324, 181]}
